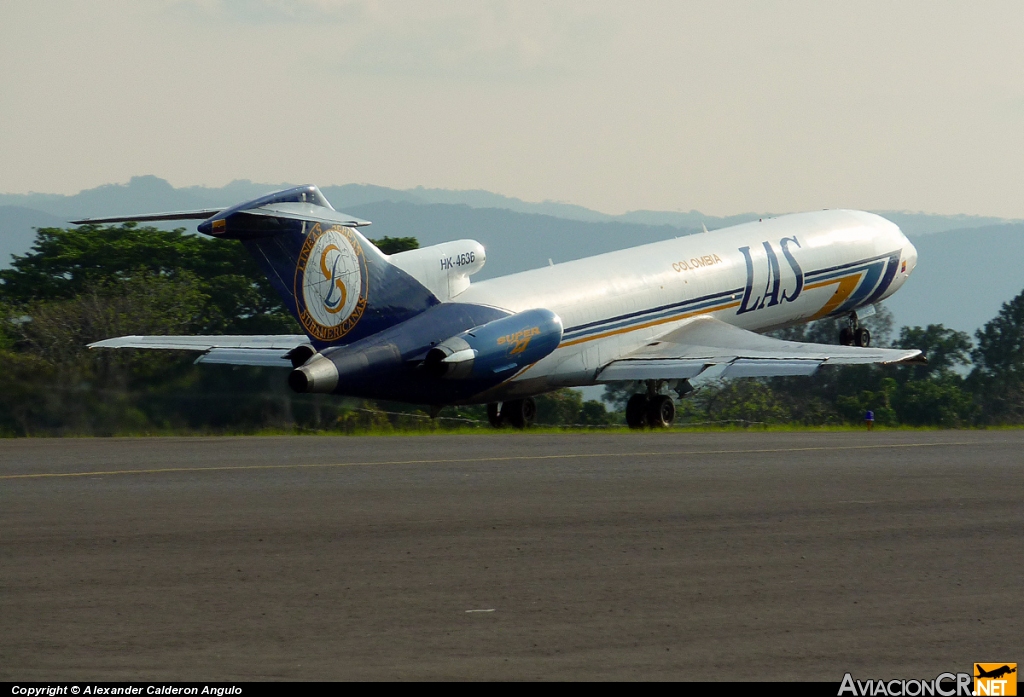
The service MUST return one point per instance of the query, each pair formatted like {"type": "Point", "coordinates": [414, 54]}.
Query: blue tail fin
{"type": "Point", "coordinates": [339, 286]}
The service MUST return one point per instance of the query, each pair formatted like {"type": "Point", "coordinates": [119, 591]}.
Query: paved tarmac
{"type": "Point", "coordinates": [512, 556]}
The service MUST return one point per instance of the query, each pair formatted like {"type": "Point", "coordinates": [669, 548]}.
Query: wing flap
{"type": "Point", "coordinates": [704, 342]}
{"type": "Point", "coordinates": [763, 368]}
{"type": "Point", "coordinates": [652, 370]}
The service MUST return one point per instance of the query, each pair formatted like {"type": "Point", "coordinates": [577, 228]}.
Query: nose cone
{"type": "Point", "coordinates": [910, 256]}
{"type": "Point", "coordinates": [907, 262]}
{"type": "Point", "coordinates": [891, 239]}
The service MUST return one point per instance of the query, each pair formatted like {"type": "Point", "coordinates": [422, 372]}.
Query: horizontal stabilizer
{"type": "Point", "coordinates": [307, 211]}
{"type": "Point", "coordinates": [272, 350]}
{"type": "Point", "coordinates": [287, 211]}
{"type": "Point", "coordinates": [293, 210]}
{"type": "Point", "coordinates": [704, 342]}
{"type": "Point", "coordinates": [205, 343]}
{"type": "Point", "coordinates": [150, 217]}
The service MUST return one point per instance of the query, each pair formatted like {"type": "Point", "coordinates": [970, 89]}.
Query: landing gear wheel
{"type": "Point", "coordinates": [661, 411]}
{"type": "Point", "coordinates": [853, 334]}
{"type": "Point", "coordinates": [636, 411]}
{"type": "Point", "coordinates": [520, 413]}
{"type": "Point", "coordinates": [494, 415]}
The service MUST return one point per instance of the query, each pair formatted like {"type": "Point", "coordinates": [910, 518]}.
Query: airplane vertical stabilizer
{"type": "Point", "coordinates": [336, 282]}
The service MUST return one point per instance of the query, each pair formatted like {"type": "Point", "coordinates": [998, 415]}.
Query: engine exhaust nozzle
{"type": "Point", "coordinates": [319, 374]}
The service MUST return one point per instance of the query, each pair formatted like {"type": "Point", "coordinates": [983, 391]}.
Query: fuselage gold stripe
{"type": "Point", "coordinates": [652, 323]}
{"type": "Point", "coordinates": [847, 284]}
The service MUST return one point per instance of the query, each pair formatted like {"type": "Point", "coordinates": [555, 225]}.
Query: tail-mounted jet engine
{"type": "Point", "coordinates": [498, 347]}
{"type": "Point", "coordinates": [322, 373]}
{"type": "Point", "coordinates": [485, 355]}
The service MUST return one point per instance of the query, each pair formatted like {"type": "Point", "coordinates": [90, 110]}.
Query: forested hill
{"type": "Point", "coordinates": [968, 265]}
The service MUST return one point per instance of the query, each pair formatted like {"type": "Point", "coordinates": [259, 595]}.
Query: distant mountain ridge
{"type": "Point", "coordinates": [520, 235]}
{"type": "Point", "coordinates": [150, 194]}
{"type": "Point", "coordinates": [17, 229]}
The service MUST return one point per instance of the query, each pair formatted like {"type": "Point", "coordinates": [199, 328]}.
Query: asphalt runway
{"type": "Point", "coordinates": [658, 556]}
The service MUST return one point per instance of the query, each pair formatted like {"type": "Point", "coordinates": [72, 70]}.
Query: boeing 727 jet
{"type": "Point", "coordinates": [411, 326]}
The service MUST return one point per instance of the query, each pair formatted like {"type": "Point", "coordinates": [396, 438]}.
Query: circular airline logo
{"type": "Point", "coordinates": [330, 282]}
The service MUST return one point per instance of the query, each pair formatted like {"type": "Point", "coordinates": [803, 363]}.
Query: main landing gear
{"type": "Point", "coordinates": [650, 409]}
{"type": "Point", "coordinates": [853, 334]}
{"type": "Point", "coordinates": [519, 413]}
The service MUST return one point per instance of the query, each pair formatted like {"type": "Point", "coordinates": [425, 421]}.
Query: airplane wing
{"type": "Point", "coordinates": [262, 350]}
{"type": "Point", "coordinates": [704, 342]}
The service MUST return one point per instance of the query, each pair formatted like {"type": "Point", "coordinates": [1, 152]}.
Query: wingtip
{"type": "Point", "coordinates": [113, 342]}
{"type": "Point", "coordinates": [915, 358]}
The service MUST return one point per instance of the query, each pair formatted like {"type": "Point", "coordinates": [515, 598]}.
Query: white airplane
{"type": "Point", "coordinates": [411, 327]}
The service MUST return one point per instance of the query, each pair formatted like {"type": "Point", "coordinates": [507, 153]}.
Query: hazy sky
{"type": "Point", "coordinates": [720, 106]}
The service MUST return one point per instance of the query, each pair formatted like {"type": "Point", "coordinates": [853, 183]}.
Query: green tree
{"type": "Point", "coordinates": [55, 384]}
{"type": "Point", "coordinates": [92, 282]}
{"type": "Point", "coordinates": [559, 408]}
{"type": "Point", "coordinates": [394, 245]}
{"type": "Point", "coordinates": [25, 403]}
{"type": "Point", "coordinates": [565, 407]}
{"type": "Point", "coordinates": [80, 285]}
{"type": "Point", "coordinates": [933, 394]}
{"type": "Point", "coordinates": [940, 401]}
{"type": "Point", "coordinates": [879, 401]}
{"type": "Point", "coordinates": [65, 262]}
{"type": "Point", "coordinates": [743, 400]}
{"type": "Point", "coordinates": [594, 413]}
{"type": "Point", "coordinates": [945, 349]}
{"type": "Point", "coordinates": [1000, 349]}
{"type": "Point", "coordinates": [998, 376]}
{"type": "Point", "coordinates": [618, 393]}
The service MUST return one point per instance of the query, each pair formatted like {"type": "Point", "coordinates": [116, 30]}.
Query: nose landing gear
{"type": "Point", "coordinates": [853, 334]}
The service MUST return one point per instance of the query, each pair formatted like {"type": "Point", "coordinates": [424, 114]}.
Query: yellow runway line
{"type": "Point", "coordinates": [511, 458]}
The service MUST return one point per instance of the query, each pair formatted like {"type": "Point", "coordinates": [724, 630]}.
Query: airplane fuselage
{"type": "Point", "coordinates": [757, 276]}
{"type": "Point", "coordinates": [412, 327]}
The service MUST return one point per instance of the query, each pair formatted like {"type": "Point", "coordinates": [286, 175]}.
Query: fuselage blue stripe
{"type": "Point", "coordinates": [844, 267]}
{"type": "Point", "coordinates": [706, 301]}
{"type": "Point", "coordinates": [617, 323]}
